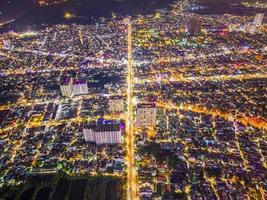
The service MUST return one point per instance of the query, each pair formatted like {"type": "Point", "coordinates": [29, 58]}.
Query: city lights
{"type": "Point", "coordinates": [166, 104]}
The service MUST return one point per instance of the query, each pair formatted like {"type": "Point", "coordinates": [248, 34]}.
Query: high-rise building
{"type": "Point", "coordinates": [73, 87]}
{"type": "Point", "coordinates": [146, 114]}
{"type": "Point", "coordinates": [7, 44]}
{"type": "Point", "coordinates": [102, 133]}
{"type": "Point", "coordinates": [258, 19]}
{"type": "Point", "coordinates": [116, 104]}
{"type": "Point", "coordinates": [250, 28]}
{"type": "Point", "coordinates": [194, 25]}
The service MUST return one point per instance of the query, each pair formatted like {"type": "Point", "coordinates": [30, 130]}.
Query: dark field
{"type": "Point", "coordinates": [61, 189]}
{"type": "Point", "coordinates": [77, 189]}
{"type": "Point", "coordinates": [104, 190]}
{"type": "Point", "coordinates": [43, 193]}
{"type": "Point", "coordinates": [66, 188]}
{"type": "Point", "coordinates": [27, 194]}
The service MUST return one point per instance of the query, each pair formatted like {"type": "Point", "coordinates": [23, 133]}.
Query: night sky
{"type": "Point", "coordinates": [23, 9]}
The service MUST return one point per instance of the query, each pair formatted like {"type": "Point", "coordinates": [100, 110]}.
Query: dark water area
{"type": "Point", "coordinates": [226, 8]}
{"type": "Point", "coordinates": [12, 9]}
{"type": "Point", "coordinates": [84, 12]}
{"type": "Point", "coordinates": [32, 16]}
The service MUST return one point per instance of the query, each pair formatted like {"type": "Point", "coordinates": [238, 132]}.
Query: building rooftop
{"type": "Point", "coordinates": [116, 97]}
{"type": "Point", "coordinates": [68, 81]}
{"type": "Point", "coordinates": [146, 105]}
{"type": "Point", "coordinates": [102, 127]}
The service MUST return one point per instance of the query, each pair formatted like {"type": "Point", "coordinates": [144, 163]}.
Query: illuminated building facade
{"type": "Point", "coordinates": [250, 28]}
{"type": "Point", "coordinates": [7, 44]}
{"type": "Point", "coordinates": [102, 133]}
{"type": "Point", "coordinates": [258, 19]}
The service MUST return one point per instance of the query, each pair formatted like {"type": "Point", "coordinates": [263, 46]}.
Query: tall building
{"type": "Point", "coordinates": [194, 25]}
{"type": "Point", "coordinates": [116, 104]}
{"type": "Point", "coordinates": [146, 115]}
{"type": "Point", "coordinates": [102, 133]}
{"type": "Point", "coordinates": [72, 87]}
{"type": "Point", "coordinates": [7, 44]}
{"type": "Point", "coordinates": [258, 19]}
{"type": "Point", "coordinates": [250, 28]}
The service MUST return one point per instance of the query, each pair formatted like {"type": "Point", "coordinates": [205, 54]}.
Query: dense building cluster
{"type": "Point", "coordinates": [209, 141]}
{"type": "Point", "coordinates": [53, 80]}
{"type": "Point", "coordinates": [174, 99]}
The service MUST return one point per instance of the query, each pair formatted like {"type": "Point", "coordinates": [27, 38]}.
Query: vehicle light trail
{"type": "Point", "coordinates": [174, 78]}
{"type": "Point", "coordinates": [131, 173]}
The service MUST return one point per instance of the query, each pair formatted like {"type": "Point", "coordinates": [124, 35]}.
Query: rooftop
{"type": "Point", "coordinates": [146, 105]}
{"type": "Point", "coordinates": [103, 127]}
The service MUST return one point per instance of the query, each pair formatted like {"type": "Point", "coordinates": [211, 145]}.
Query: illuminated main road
{"type": "Point", "coordinates": [175, 78]}
{"type": "Point", "coordinates": [131, 172]}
